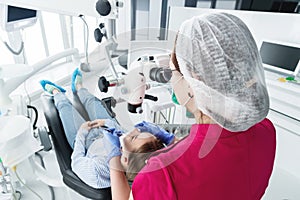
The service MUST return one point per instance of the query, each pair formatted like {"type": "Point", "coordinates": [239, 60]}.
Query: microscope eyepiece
{"type": "Point", "coordinates": [161, 75]}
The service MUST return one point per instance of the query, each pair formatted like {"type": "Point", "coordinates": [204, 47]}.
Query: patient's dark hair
{"type": "Point", "coordinates": [137, 159]}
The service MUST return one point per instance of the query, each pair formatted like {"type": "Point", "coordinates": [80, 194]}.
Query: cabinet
{"type": "Point", "coordinates": [285, 115]}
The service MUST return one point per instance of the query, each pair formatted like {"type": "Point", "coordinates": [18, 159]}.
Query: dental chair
{"type": "Point", "coordinates": [63, 150]}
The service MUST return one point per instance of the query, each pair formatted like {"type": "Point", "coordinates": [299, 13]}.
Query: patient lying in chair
{"type": "Point", "coordinates": [91, 149]}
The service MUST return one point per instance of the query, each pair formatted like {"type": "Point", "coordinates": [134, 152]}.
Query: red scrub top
{"type": "Point", "coordinates": [237, 168]}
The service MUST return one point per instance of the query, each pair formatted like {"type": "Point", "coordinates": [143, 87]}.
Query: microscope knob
{"type": "Point", "coordinates": [103, 7]}
{"type": "Point", "coordinates": [139, 110]}
{"type": "Point", "coordinates": [135, 108]}
{"type": "Point", "coordinates": [124, 90]}
{"type": "Point", "coordinates": [119, 4]}
{"type": "Point", "coordinates": [103, 84]}
{"type": "Point", "coordinates": [150, 97]}
{"type": "Point", "coordinates": [98, 35]}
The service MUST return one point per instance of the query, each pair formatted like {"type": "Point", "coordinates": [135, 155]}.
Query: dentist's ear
{"type": "Point", "coordinates": [191, 104]}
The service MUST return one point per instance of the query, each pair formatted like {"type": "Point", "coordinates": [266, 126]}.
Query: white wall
{"type": "Point", "coordinates": [280, 27]}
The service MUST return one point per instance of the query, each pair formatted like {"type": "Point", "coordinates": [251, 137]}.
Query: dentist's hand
{"type": "Point", "coordinates": [157, 131]}
{"type": "Point", "coordinates": [112, 142]}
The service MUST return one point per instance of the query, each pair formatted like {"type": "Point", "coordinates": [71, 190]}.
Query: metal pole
{"type": "Point", "coordinates": [133, 18]}
{"type": "Point", "coordinates": [213, 3]}
{"type": "Point", "coordinates": [111, 28]}
{"type": "Point", "coordinates": [163, 19]}
{"type": "Point", "coordinates": [190, 3]}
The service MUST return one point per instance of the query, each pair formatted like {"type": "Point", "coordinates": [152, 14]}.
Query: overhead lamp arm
{"type": "Point", "coordinates": [8, 86]}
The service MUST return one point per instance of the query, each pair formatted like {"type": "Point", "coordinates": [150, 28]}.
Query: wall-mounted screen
{"type": "Point", "coordinates": [15, 18]}
{"type": "Point", "coordinates": [286, 6]}
{"type": "Point", "coordinates": [281, 57]}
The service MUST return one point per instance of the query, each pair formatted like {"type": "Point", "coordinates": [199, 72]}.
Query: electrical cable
{"type": "Point", "coordinates": [25, 86]}
{"type": "Point", "coordinates": [18, 52]}
{"type": "Point", "coordinates": [25, 185]}
{"type": "Point", "coordinates": [19, 193]}
{"type": "Point", "coordinates": [36, 115]}
{"type": "Point", "coordinates": [23, 55]}
{"type": "Point", "coordinates": [87, 37]}
{"type": "Point", "coordinates": [23, 34]}
{"type": "Point", "coordinates": [43, 165]}
{"type": "Point", "coordinates": [14, 192]}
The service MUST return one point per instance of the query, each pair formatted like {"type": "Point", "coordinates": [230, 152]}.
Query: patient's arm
{"type": "Point", "coordinates": [97, 123]}
{"type": "Point", "coordinates": [119, 185]}
{"type": "Point", "coordinates": [109, 123]}
{"type": "Point", "coordinates": [85, 168]}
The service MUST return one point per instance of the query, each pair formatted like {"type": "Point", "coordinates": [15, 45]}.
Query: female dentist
{"type": "Point", "coordinates": [229, 154]}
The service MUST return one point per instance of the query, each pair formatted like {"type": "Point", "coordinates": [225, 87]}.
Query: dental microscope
{"type": "Point", "coordinates": [134, 84]}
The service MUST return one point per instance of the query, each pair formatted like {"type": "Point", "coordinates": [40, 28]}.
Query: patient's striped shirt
{"type": "Point", "coordinates": [89, 158]}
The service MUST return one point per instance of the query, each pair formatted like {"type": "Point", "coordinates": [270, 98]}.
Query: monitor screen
{"type": "Point", "coordinates": [15, 18]}
{"type": "Point", "coordinates": [286, 6]}
{"type": "Point", "coordinates": [17, 13]}
{"type": "Point", "coordinates": [280, 56]}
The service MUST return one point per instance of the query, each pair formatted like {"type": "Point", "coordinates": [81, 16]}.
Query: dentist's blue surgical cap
{"type": "Point", "coordinates": [219, 58]}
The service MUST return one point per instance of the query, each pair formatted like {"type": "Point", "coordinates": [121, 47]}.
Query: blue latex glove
{"type": "Point", "coordinates": [116, 133]}
{"type": "Point", "coordinates": [113, 142]}
{"type": "Point", "coordinates": [157, 131]}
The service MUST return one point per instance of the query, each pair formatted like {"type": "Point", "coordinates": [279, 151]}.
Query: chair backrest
{"type": "Point", "coordinates": [63, 153]}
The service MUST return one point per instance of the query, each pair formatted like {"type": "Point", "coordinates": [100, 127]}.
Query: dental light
{"type": "Point", "coordinates": [108, 8]}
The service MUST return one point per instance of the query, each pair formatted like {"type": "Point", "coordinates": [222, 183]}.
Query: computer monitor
{"type": "Point", "coordinates": [284, 6]}
{"type": "Point", "coordinates": [15, 18]}
{"type": "Point", "coordinates": [287, 6]}
{"type": "Point", "coordinates": [281, 57]}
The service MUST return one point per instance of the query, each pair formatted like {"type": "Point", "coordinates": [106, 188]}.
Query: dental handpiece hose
{"type": "Point", "coordinates": [2, 177]}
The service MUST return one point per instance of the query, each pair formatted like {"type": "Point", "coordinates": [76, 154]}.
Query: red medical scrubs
{"type": "Point", "coordinates": [237, 168]}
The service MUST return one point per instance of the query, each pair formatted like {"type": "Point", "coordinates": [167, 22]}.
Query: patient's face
{"type": "Point", "coordinates": [135, 139]}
